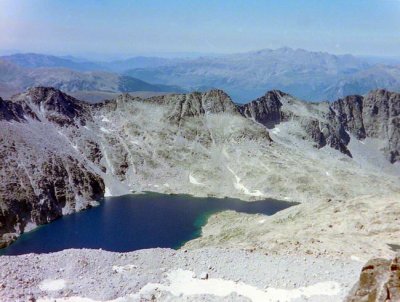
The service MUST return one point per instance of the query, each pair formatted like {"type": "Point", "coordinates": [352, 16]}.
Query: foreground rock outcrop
{"type": "Point", "coordinates": [59, 155]}
{"type": "Point", "coordinates": [379, 282]}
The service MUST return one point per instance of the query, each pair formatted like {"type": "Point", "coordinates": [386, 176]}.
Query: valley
{"type": "Point", "coordinates": [339, 160]}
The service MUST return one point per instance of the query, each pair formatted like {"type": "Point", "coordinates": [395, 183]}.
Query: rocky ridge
{"type": "Point", "coordinates": [59, 154]}
{"type": "Point", "coordinates": [376, 115]}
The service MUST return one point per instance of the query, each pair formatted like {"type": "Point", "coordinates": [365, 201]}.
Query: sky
{"type": "Point", "coordinates": [171, 27]}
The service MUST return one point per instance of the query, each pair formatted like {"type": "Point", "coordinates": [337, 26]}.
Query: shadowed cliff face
{"type": "Point", "coordinates": [58, 154]}
{"type": "Point", "coordinates": [39, 180]}
{"type": "Point", "coordinates": [376, 115]}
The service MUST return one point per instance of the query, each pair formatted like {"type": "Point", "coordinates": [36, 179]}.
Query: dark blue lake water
{"type": "Point", "coordinates": [133, 222]}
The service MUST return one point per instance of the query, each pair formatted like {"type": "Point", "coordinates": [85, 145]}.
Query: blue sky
{"type": "Point", "coordinates": [129, 27]}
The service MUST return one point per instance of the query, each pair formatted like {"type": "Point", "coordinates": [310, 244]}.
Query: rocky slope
{"type": "Point", "coordinates": [167, 275]}
{"type": "Point", "coordinates": [59, 154]}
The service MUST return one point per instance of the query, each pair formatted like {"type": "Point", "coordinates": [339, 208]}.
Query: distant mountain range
{"type": "Point", "coordinates": [95, 84]}
{"type": "Point", "coordinates": [308, 75]}
{"type": "Point", "coordinates": [33, 60]}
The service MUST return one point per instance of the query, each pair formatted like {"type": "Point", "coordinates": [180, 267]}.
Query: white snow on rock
{"type": "Point", "coordinates": [276, 130]}
{"type": "Point", "coordinates": [107, 192]}
{"type": "Point", "coordinates": [355, 258]}
{"type": "Point", "coordinates": [105, 130]}
{"type": "Point", "coordinates": [30, 226]}
{"type": "Point", "coordinates": [194, 181]}
{"type": "Point", "coordinates": [182, 283]}
{"type": "Point", "coordinates": [240, 187]}
{"type": "Point", "coordinates": [125, 268]}
{"type": "Point", "coordinates": [52, 285]}
{"type": "Point", "coordinates": [135, 142]}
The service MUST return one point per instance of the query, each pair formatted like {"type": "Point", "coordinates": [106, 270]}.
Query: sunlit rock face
{"type": "Point", "coordinates": [58, 154]}
{"type": "Point", "coordinates": [379, 281]}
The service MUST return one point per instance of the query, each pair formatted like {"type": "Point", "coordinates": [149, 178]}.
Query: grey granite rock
{"type": "Point", "coordinates": [39, 180]}
{"type": "Point", "coordinates": [381, 117]}
{"type": "Point", "coordinates": [266, 109]}
{"type": "Point", "coordinates": [57, 154]}
{"type": "Point", "coordinates": [376, 115]}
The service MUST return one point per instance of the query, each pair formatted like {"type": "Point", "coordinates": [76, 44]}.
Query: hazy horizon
{"type": "Point", "coordinates": [99, 57]}
{"type": "Point", "coordinates": [110, 29]}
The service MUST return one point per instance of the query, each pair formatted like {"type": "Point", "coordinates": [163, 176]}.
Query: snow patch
{"type": "Point", "coordinates": [240, 187]}
{"type": "Point", "coordinates": [104, 130]}
{"type": "Point", "coordinates": [225, 153]}
{"type": "Point", "coordinates": [135, 142]}
{"type": "Point", "coordinates": [355, 258]}
{"type": "Point", "coordinates": [52, 285]}
{"type": "Point", "coordinates": [194, 181]}
{"type": "Point", "coordinates": [276, 130]}
{"type": "Point", "coordinates": [30, 226]}
{"type": "Point", "coordinates": [182, 283]}
{"type": "Point", "coordinates": [107, 192]}
{"type": "Point", "coordinates": [121, 269]}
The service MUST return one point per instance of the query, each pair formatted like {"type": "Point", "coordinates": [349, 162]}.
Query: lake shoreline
{"type": "Point", "coordinates": [107, 220]}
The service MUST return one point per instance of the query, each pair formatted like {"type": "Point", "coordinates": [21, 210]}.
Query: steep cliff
{"type": "Point", "coordinates": [40, 179]}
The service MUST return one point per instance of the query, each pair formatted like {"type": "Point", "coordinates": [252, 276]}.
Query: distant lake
{"type": "Point", "coordinates": [133, 222]}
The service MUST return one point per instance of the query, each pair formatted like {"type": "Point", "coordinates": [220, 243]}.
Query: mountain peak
{"type": "Point", "coordinates": [380, 92]}
{"type": "Point", "coordinates": [275, 94]}
{"type": "Point", "coordinates": [52, 104]}
{"type": "Point", "coordinates": [265, 109]}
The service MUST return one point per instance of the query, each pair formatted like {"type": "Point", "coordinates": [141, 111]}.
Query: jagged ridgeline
{"type": "Point", "coordinates": [59, 155]}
